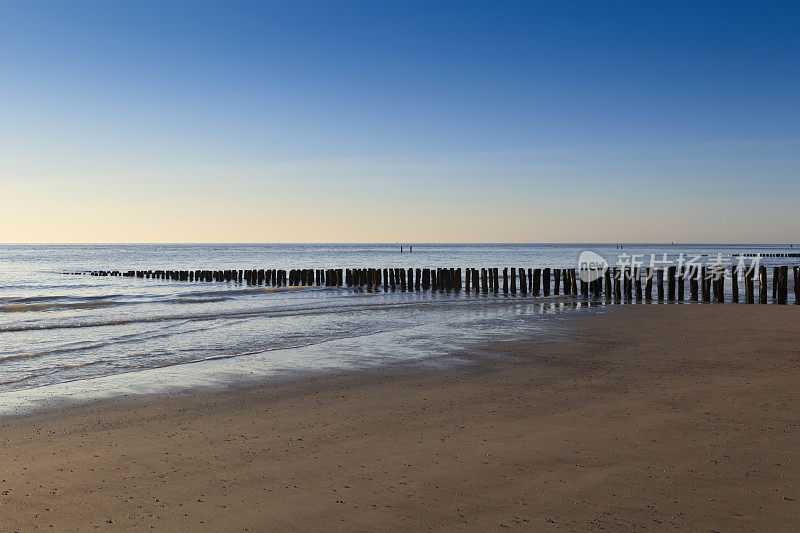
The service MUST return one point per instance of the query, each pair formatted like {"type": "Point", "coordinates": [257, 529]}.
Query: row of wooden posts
{"type": "Point", "coordinates": [620, 284]}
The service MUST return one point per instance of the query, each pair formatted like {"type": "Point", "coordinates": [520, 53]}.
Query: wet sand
{"type": "Point", "coordinates": [645, 417]}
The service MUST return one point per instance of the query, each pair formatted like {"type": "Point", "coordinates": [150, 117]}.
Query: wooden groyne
{"type": "Point", "coordinates": [614, 284]}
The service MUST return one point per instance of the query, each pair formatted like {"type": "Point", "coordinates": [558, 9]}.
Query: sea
{"type": "Point", "coordinates": [68, 337]}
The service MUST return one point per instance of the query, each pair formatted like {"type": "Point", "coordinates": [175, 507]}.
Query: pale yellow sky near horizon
{"type": "Point", "coordinates": [523, 196]}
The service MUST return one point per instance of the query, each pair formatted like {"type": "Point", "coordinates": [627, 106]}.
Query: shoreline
{"type": "Point", "coordinates": [645, 417]}
{"type": "Point", "coordinates": [393, 347]}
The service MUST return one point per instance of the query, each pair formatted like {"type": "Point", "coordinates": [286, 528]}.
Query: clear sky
{"type": "Point", "coordinates": [399, 121]}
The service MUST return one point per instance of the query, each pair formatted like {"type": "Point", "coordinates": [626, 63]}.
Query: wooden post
{"type": "Point", "coordinates": [496, 279]}
{"type": "Point", "coordinates": [671, 283]}
{"type": "Point", "coordinates": [513, 280]}
{"type": "Point", "coordinates": [537, 281]}
{"type": "Point", "coordinates": [484, 280]}
{"type": "Point", "coordinates": [556, 281]}
{"type": "Point", "coordinates": [637, 278]}
{"type": "Point", "coordinates": [720, 275]}
{"type": "Point", "coordinates": [775, 276]}
{"type": "Point", "coordinates": [426, 279]}
{"type": "Point", "coordinates": [693, 283]}
{"type": "Point", "coordinates": [546, 281]}
{"type": "Point", "coordinates": [648, 283]}
{"type": "Point", "coordinates": [617, 283]}
{"type": "Point", "coordinates": [762, 284]}
{"type": "Point", "coordinates": [573, 282]}
{"type": "Point", "coordinates": [796, 280]}
{"type": "Point", "coordinates": [660, 284]}
{"type": "Point", "coordinates": [417, 279]}
{"type": "Point", "coordinates": [607, 279]}
{"type": "Point", "coordinates": [627, 273]}
{"type": "Point", "coordinates": [505, 281]}
{"type": "Point", "coordinates": [681, 275]}
{"type": "Point", "coordinates": [523, 287]}
{"type": "Point", "coordinates": [734, 283]}
{"type": "Point", "coordinates": [749, 282]}
{"type": "Point", "coordinates": [457, 279]}
{"type": "Point", "coordinates": [530, 280]}
{"type": "Point", "coordinates": [705, 284]}
{"type": "Point", "coordinates": [783, 283]}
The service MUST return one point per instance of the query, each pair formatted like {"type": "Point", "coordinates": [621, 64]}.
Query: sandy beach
{"type": "Point", "coordinates": [644, 417]}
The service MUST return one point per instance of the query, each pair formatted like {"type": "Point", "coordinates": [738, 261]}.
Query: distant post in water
{"type": "Point", "coordinates": [796, 271]}
{"type": "Point", "coordinates": [617, 280]}
{"type": "Point", "coordinates": [783, 282]}
{"type": "Point", "coordinates": [556, 281]}
{"type": "Point", "coordinates": [546, 281]}
{"type": "Point", "coordinates": [637, 276]}
{"type": "Point", "coordinates": [628, 283]}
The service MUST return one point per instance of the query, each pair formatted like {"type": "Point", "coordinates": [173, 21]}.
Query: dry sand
{"type": "Point", "coordinates": [647, 417]}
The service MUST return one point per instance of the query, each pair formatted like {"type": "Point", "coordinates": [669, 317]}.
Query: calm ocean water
{"type": "Point", "coordinates": [63, 332]}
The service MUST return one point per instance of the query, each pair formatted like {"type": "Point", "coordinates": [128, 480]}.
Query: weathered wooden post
{"type": "Point", "coordinates": [505, 281]}
{"type": "Point", "coordinates": [607, 279]}
{"type": "Point", "coordinates": [706, 285]}
{"type": "Point", "coordinates": [749, 283]}
{"type": "Point", "coordinates": [628, 276]}
{"type": "Point", "coordinates": [573, 282]}
{"type": "Point", "coordinates": [720, 284]}
{"type": "Point", "coordinates": [796, 280]}
{"type": "Point", "coordinates": [402, 273]}
{"type": "Point", "coordinates": [660, 284]}
{"type": "Point", "coordinates": [775, 278]}
{"type": "Point", "coordinates": [537, 281]}
{"type": "Point", "coordinates": [513, 280]}
{"type": "Point", "coordinates": [417, 279]}
{"type": "Point", "coordinates": [783, 289]}
{"type": "Point", "coordinates": [734, 283]}
{"type": "Point", "coordinates": [410, 273]}
{"type": "Point", "coordinates": [523, 287]}
{"type": "Point", "coordinates": [546, 281]}
{"type": "Point", "coordinates": [762, 284]}
{"type": "Point", "coordinates": [530, 280]}
{"type": "Point", "coordinates": [496, 276]}
{"type": "Point", "coordinates": [648, 283]}
{"type": "Point", "coordinates": [556, 281]}
{"type": "Point", "coordinates": [671, 283]}
{"type": "Point", "coordinates": [617, 279]}
{"type": "Point", "coordinates": [426, 279]}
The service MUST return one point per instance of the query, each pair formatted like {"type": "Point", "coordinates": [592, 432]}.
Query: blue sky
{"type": "Point", "coordinates": [411, 121]}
